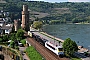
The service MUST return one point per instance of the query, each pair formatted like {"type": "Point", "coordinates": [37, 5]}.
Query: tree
{"type": "Point", "coordinates": [5, 38]}
{"type": "Point", "coordinates": [12, 44]}
{"type": "Point", "coordinates": [37, 24]}
{"type": "Point", "coordinates": [37, 19]}
{"type": "Point", "coordinates": [20, 34]}
{"type": "Point", "coordinates": [1, 39]}
{"type": "Point", "coordinates": [69, 47]}
{"type": "Point", "coordinates": [12, 36]}
{"type": "Point", "coordinates": [23, 41]}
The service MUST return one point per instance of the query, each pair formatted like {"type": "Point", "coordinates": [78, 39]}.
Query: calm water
{"type": "Point", "coordinates": [80, 33]}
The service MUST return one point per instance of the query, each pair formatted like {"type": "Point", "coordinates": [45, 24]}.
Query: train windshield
{"type": "Point", "coordinates": [60, 49]}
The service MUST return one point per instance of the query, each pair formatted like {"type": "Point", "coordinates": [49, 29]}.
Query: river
{"type": "Point", "coordinates": [80, 33]}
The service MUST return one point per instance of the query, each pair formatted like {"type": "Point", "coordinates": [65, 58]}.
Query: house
{"type": "Point", "coordinates": [2, 22]}
{"type": "Point", "coordinates": [6, 14]}
{"type": "Point", "coordinates": [1, 14]}
{"type": "Point", "coordinates": [6, 29]}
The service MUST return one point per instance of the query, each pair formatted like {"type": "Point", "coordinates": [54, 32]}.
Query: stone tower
{"type": "Point", "coordinates": [25, 18]}
{"type": "Point", "coordinates": [16, 24]}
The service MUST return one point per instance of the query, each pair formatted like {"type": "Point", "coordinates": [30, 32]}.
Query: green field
{"type": "Point", "coordinates": [33, 54]}
{"type": "Point", "coordinates": [76, 59]}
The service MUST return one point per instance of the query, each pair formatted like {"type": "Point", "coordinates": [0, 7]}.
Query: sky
{"type": "Point", "coordinates": [62, 0]}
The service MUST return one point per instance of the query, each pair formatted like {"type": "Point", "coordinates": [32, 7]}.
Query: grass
{"type": "Point", "coordinates": [4, 43]}
{"type": "Point", "coordinates": [76, 59]}
{"type": "Point", "coordinates": [33, 54]}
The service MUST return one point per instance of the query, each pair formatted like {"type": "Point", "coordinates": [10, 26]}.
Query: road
{"type": "Point", "coordinates": [88, 58]}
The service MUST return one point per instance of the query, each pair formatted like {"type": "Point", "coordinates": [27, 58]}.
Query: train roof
{"type": "Point", "coordinates": [44, 39]}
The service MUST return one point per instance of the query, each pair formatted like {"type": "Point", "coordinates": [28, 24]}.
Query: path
{"type": "Point", "coordinates": [22, 49]}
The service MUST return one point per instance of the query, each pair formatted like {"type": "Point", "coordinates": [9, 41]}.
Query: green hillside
{"type": "Point", "coordinates": [69, 12]}
{"type": "Point", "coordinates": [52, 12]}
{"type": "Point", "coordinates": [2, 1]}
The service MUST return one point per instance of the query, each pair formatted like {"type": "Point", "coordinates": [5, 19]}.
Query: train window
{"type": "Point", "coordinates": [60, 49]}
{"type": "Point", "coordinates": [51, 47]}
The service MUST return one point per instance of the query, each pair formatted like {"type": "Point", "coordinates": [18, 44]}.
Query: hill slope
{"type": "Point", "coordinates": [66, 11]}
{"type": "Point", "coordinates": [2, 1]}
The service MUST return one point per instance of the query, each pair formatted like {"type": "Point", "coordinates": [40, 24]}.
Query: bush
{"type": "Point", "coordinates": [1, 39]}
{"type": "Point", "coordinates": [20, 34]}
{"type": "Point", "coordinates": [5, 38]}
{"type": "Point", "coordinates": [16, 47]}
{"type": "Point", "coordinates": [12, 44]}
{"type": "Point", "coordinates": [23, 41]}
{"type": "Point", "coordinates": [4, 43]}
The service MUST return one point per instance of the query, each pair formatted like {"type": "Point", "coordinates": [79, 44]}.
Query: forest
{"type": "Point", "coordinates": [63, 12]}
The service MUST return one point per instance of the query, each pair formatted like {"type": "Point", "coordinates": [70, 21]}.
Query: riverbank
{"type": "Point", "coordinates": [77, 23]}
{"type": "Point", "coordinates": [50, 37]}
{"type": "Point", "coordinates": [81, 48]}
{"type": "Point", "coordinates": [79, 33]}
{"type": "Point", "coordinates": [53, 37]}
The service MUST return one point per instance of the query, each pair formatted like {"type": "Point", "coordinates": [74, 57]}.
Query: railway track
{"type": "Point", "coordinates": [47, 54]}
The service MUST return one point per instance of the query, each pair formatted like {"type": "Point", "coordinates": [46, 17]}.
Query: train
{"type": "Point", "coordinates": [58, 50]}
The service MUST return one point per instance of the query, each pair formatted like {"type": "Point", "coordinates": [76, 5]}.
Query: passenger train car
{"type": "Point", "coordinates": [58, 50]}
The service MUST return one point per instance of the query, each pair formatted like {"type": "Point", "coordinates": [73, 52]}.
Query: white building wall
{"type": "Point", "coordinates": [8, 31]}
{"type": "Point", "coordinates": [1, 24]}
